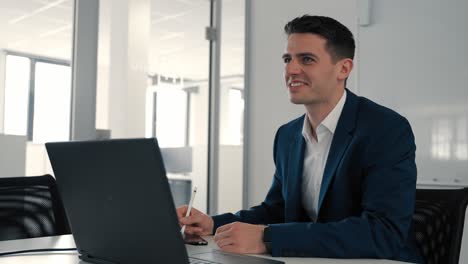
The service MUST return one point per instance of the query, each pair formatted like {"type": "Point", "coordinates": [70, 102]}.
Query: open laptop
{"type": "Point", "coordinates": [119, 203]}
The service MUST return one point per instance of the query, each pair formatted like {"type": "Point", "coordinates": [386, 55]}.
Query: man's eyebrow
{"type": "Point", "coordinates": [303, 54]}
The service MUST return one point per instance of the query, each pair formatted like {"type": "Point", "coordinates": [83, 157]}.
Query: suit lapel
{"type": "Point", "coordinates": [340, 142]}
{"type": "Point", "coordinates": [295, 168]}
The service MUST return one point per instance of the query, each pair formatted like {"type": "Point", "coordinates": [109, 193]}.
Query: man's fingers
{"type": "Point", "coordinates": [221, 235]}
{"type": "Point", "coordinates": [184, 221]}
{"type": "Point", "coordinates": [225, 242]}
{"type": "Point", "coordinates": [194, 211]}
{"type": "Point", "coordinates": [188, 220]}
{"type": "Point", "coordinates": [231, 248]}
{"type": "Point", "coordinates": [195, 222]}
{"type": "Point", "coordinates": [193, 230]}
{"type": "Point", "coordinates": [224, 228]}
{"type": "Point", "coordinates": [193, 219]}
{"type": "Point", "coordinates": [181, 211]}
{"type": "Point", "coordinates": [197, 218]}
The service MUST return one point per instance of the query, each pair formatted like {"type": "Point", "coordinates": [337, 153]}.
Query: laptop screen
{"type": "Point", "coordinates": [118, 200]}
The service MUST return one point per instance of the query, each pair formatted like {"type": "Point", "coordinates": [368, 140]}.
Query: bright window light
{"type": "Point", "coordinates": [171, 117]}
{"type": "Point", "coordinates": [442, 136]}
{"type": "Point", "coordinates": [17, 77]}
{"type": "Point", "coordinates": [235, 118]}
{"type": "Point", "coordinates": [461, 148]}
{"type": "Point", "coordinates": [52, 103]}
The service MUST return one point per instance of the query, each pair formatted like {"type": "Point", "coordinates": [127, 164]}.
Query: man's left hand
{"type": "Point", "coordinates": [240, 238]}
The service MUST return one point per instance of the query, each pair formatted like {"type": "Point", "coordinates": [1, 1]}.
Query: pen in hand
{"type": "Point", "coordinates": [189, 209]}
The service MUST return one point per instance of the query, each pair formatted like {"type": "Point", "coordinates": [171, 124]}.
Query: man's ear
{"type": "Point", "coordinates": [345, 66]}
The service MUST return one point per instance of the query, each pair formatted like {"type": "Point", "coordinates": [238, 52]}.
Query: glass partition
{"type": "Point", "coordinates": [178, 94]}
{"type": "Point", "coordinates": [35, 79]}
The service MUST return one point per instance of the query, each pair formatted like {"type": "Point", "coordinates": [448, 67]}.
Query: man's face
{"type": "Point", "coordinates": [310, 74]}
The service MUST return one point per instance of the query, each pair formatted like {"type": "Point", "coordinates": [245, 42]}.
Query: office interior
{"type": "Point", "coordinates": [206, 78]}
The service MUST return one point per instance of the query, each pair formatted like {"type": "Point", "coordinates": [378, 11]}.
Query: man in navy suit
{"type": "Point", "coordinates": [345, 179]}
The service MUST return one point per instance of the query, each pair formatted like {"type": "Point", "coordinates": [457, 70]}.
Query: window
{"type": "Point", "coordinates": [52, 103]}
{"type": "Point", "coordinates": [236, 117]}
{"type": "Point", "coordinates": [17, 77]}
{"type": "Point", "coordinates": [168, 116]}
{"type": "Point", "coordinates": [37, 98]}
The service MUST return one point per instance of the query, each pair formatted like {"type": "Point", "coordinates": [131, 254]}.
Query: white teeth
{"type": "Point", "coordinates": [295, 82]}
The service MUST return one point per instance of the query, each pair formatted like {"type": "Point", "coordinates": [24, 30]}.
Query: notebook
{"type": "Point", "coordinates": [119, 203]}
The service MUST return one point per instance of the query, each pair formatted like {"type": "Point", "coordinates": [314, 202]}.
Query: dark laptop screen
{"type": "Point", "coordinates": [118, 200]}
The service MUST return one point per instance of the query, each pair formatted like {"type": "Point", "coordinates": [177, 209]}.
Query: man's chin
{"type": "Point", "coordinates": [297, 100]}
{"type": "Point", "coordinates": [301, 101]}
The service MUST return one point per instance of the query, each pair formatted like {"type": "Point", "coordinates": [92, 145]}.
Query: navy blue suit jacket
{"type": "Point", "coordinates": [367, 196]}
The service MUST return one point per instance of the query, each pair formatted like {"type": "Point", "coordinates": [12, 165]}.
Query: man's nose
{"type": "Point", "coordinates": [293, 68]}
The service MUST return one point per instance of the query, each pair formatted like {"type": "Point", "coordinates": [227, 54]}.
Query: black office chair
{"type": "Point", "coordinates": [438, 223]}
{"type": "Point", "coordinates": [31, 207]}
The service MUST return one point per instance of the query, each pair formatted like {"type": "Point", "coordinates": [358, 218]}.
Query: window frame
{"type": "Point", "coordinates": [33, 60]}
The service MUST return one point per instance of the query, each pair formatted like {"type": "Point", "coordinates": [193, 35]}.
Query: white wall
{"type": "Point", "coordinates": [126, 53]}
{"type": "Point", "coordinates": [12, 155]}
{"type": "Point", "coordinates": [413, 60]}
{"type": "Point", "coordinates": [267, 103]}
{"type": "Point", "coordinates": [2, 87]}
{"type": "Point", "coordinates": [229, 184]}
{"type": "Point", "coordinates": [37, 160]}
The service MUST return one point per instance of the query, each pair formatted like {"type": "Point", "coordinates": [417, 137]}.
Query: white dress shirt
{"type": "Point", "coordinates": [315, 157]}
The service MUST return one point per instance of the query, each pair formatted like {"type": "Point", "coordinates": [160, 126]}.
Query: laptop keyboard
{"type": "Point", "coordinates": [193, 260]}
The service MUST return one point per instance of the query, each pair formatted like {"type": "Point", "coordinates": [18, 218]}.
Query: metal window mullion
{"type": "Point", "coordinates": [32, 87]}
{"type": "Point", "coordinates": [213, 115]}
{"type": "Point", "coordinates": [187, 118]}
{"type": "Point", "coordinates": [84, 69]}
{"type": "Point", "coordinates": [38, 58]}
{"type": "Point", "coordinates": [246, 115]}
{"type": "Point", "coordinates": [155, 109]}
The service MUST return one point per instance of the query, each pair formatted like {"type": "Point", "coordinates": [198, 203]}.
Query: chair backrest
{"type": "Point", "coordinates": [438, 223]}
{"type": "Point", "coordinates": [31, 207]}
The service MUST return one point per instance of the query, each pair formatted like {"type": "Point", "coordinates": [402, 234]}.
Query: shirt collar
{"type": "Point", "coordinates": [329, 123]}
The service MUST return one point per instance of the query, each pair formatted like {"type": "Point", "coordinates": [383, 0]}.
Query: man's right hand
{"type": "Point", "coordinates": [197, 223]}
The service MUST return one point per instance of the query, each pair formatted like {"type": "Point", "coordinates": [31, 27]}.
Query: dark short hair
{"type": "Point", "coordinates": [339, 39]}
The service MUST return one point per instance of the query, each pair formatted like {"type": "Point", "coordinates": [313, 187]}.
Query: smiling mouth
{"type": "Point", "coordinates": [295, 82]}
{"type": "Point", "coordinates": [293, 85]}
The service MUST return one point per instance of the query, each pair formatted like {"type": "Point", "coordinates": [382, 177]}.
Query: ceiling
{"type": "Point", "coordinates": [177, 42]}
{"type": "Point", "coordinates": [41, 27]}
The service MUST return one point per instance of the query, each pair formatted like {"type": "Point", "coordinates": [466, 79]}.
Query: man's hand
{"type": "Point", "coordinates": [197, 223]}
{"type": "Point", "coordinates": [240, 238]}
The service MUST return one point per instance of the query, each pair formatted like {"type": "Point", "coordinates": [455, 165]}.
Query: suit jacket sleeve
{"type": "Point", "coordinates": [381, 230]}
{"type": "Point", "coordinates": [268, 212]}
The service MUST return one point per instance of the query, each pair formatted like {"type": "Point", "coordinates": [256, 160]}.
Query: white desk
{"type": "Point", "coordinates": [71, 257]}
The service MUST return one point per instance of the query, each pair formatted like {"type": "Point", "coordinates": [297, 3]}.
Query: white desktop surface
{"type": "Point", "coordinates": [71, 257]}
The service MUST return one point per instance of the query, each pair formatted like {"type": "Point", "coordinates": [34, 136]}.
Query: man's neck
{"type": "Point", "coordinates": [316, 113]}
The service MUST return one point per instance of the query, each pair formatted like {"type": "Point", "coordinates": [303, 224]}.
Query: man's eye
{"type": "Point", "coordinates": [286, 60]}
{"type": "Point", "coordinates": [307, 59]}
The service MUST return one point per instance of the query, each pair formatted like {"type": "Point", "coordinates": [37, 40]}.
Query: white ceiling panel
{"type": "Point", "coordinates": [41, 27]}
{"type": "Point", "coordinates": [178, 45]}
